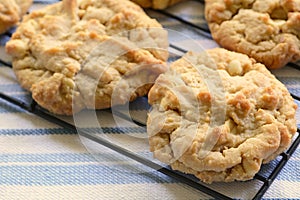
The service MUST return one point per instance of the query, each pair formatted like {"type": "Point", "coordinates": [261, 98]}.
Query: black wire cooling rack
{"type": "Point", "coordinates": [265, 177]}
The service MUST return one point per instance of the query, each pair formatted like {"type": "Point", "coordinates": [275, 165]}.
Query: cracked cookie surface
{"type": "Point", "coordinates": [11, 12]}
{"type": "Point", "coordinates": [219, 115]}
{"type": "Point", "coordinates": [266, 30]}
{"type": "Point", "coordinates": [74, 55]}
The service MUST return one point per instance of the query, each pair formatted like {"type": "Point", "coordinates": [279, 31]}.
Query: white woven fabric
{"type": "Point", "coordinates": [41, 160]}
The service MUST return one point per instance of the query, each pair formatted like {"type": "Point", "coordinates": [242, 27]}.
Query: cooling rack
{"type": "Point", "coordinates": [195, 28]}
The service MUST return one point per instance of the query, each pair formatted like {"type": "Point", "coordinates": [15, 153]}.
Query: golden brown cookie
{"type": "Point", "coordinates": [83, 53]}
{"type": "Point", "coordinates": [266, 30]}
{"type": "Point", "coordinates": [156, 4]}
{"type": "Point", "coordinates": [219, 115]}
{"type": "Point", "coordinates": [11, 12]}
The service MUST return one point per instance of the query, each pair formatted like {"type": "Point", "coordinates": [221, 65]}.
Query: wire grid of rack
{"type": "Point", "coordinates": [268, 172]}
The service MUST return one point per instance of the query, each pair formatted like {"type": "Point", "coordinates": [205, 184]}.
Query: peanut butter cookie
{"type": "Point", "coordinates": [266, 30]}
{"type": "Point", "coordinates": [11, 12]}
{"type": "Point", "coordinates": [74, 55]}
{"type": "Point", "coordinates": [219, 115]}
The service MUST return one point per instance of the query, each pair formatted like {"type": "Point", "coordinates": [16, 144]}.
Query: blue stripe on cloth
{"type": "Point", "coordinates": [294, 91]}
{"type": "Point", "coordinates": [46, 131]}
{"type": "Point", "coordinates": [140, 104]}
{"type": "Point", "coordinates": [288, 172]}
{"type": "Point", "coordinates": [4, 39]}
{"type": "Point", "coordinates": [281, 198]}
{"type": "Point", "coordinates": [51, 131]}
{"type": "Point", "coordinates": [292, 83]}
{"type": "Point", "coordinates": [26, 97]}
{"type": "Point", "coordinates": [116, 130]}
{"type": "Point", "coordinates": [11, 88]}
{"type": "Point", "coordinates": [290, 80]}
{"type": "Point", "coordinates": [285, 175]}
{"type": "Point", "coordinates": [6, 107]}
{"type": "Point", "coordinates": [66, 157]}
{"type": "Point", "coordinates": [56, 157]}
{"type": "Point", "coordinates": [283, 76]}
{"type": "Point", "coordinates": [93, 174]}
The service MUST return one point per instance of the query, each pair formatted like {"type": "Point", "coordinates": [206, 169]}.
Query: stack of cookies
{"type": "Point", "coordinates": [218, 114]}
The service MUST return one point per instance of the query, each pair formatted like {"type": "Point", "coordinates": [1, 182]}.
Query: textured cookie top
{"type": "Point", "coordinates": [219, 115]}
{"type": "Point", "coordinates": [11, 11]}
{"type": "Point", "coordinates": [156, 4]}
{"type": "Point", "coordinates": [267, 30]}
{"type": "Point", "coordinates": [78, 53]}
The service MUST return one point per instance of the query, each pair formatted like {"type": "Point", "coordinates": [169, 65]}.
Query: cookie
{"type": "Point", "coordinates": [267, 31]}
{"type": "Point", "coordinates": [219, 115]}
{"type": "Point", "coordinates": [11, 12]}
{"type": "Point", "coordinates": [73, 56]}
{"type": "Point", "coordinates": [156, 4]}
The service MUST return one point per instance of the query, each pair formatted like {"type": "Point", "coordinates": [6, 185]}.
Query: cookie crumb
{"type": "Point", "coordinates": [235, 68]}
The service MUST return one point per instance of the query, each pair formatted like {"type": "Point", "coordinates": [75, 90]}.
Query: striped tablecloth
{"type": "Point", "coordinates": [41, 160]}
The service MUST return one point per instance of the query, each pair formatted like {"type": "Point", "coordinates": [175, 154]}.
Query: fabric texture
{"type": "Point", "coordinates": [41, 160]}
